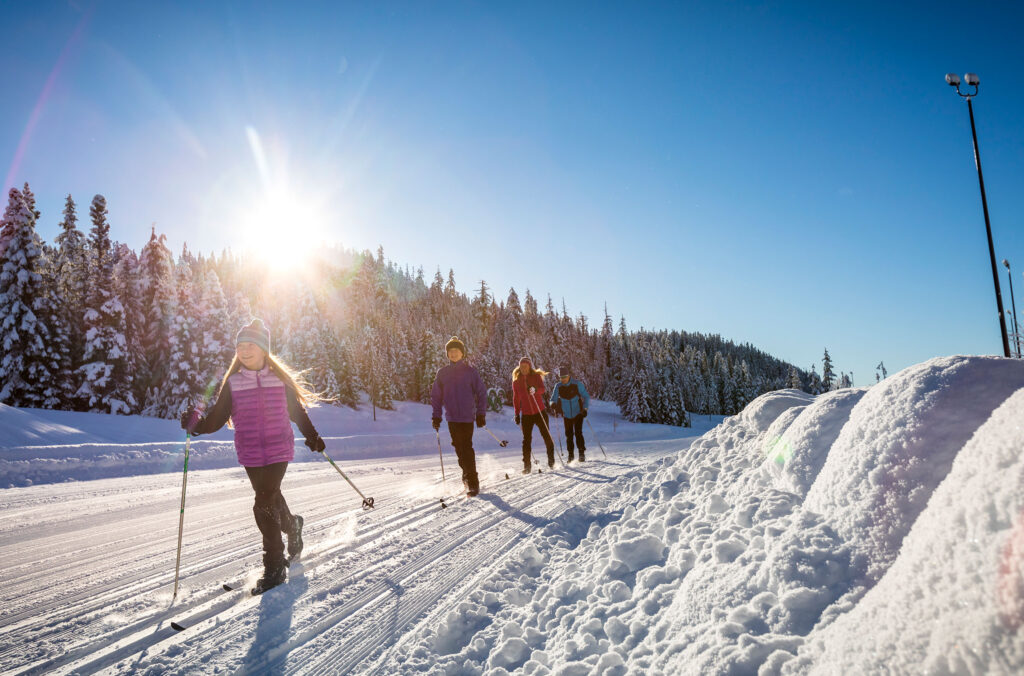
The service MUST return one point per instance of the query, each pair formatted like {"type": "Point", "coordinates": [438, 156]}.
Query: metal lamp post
{"type": "Point", "coordinates": [1013, 308]}
{"type": "Point", "coordinates": [953, 80]}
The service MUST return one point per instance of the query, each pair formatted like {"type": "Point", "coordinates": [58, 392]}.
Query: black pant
{"type": "Point", "coordinates": [271, 511]}
{"type": "Point", "coordinates": [542, 423]}
{"type": "Point", "coordinates": [574, 427]}
{"type": "Point", "coordinates": [462, 440]}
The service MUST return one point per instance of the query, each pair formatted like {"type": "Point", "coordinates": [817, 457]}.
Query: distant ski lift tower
{"type": "Point", "coordinates": [1013, 310]}
{"type": "Point", "coordinates": [971, 80]}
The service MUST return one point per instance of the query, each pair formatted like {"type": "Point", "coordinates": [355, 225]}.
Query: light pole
{"type": "Point", "coordinates": [1013, 306]}
{"type": "Point", "coordinates": [953, 80]}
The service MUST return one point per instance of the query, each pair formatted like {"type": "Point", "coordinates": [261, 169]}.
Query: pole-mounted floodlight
{"type": "Point", "coordinates": [971, 79]}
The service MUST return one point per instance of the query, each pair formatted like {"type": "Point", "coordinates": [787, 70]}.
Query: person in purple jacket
{"type": "Point", "coordinates": [460, 390]}
{"type": "Point", "coordinates": [260, 398]}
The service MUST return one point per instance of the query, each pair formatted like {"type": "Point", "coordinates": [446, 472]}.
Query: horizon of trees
{"type": "Point", "coordinates": [89, 324]}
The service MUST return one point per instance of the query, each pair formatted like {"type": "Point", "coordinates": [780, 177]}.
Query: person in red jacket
{"type": "Point", "coordinates": [528, 401]}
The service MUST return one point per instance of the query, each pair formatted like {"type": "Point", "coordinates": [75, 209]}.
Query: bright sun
{"type": "Point", "coordinates": [279, 224]}
{"type": "Point", "coordinates": [284, 229]}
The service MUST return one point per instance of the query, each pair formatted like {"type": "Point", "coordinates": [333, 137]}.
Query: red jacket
{"type": "Point", "coordinates": [522, 400]}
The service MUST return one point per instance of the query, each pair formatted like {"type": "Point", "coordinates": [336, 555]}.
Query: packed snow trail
{"type": "Point", "coordinates": [88, 566]}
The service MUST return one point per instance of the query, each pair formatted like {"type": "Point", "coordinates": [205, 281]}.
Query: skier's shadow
{"type": "Point", "coordinates": [528, 519]}
{"type": "Point", "coordinates": [268, 653]}
{"type": "Point", "coordinates": [397, 590]}
{"type": "Point", "coordinates": [617, 464]}
{"type": "Point", "coordinates": [580, 475]}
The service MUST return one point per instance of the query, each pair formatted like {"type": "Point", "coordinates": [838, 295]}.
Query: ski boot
{"type": "Point", "coordinates": [274, 574]}
{"type": "Point", "coordinates": [473, 487]}
{"type": "Point", "coordinates": [295, 539]}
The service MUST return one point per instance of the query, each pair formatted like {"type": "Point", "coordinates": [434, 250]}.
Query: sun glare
{"type": "Point", "coordinates": [285, 230]}
{"type": "Point", "coordinates": [283, 226]}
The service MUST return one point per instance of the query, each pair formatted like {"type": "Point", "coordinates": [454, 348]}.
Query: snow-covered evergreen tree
{"type": "Point", "coordinates": [814, 384]}
{"type": "Point", "coordinates": [793, 380]}
{"type": "Point", "coordinates": [156, 291]}
{"type": "Point", "coordinates": [184, 373]}
{"type": "Point", "coordinates": [104, 373]}
{"type": "Point", "coordinates": [828, 376]}
{"type": "Point", "coordinates": [217, 328]}
{"type": "Point", "coordinates": [72, 282]}
{"type": "Point", "coordinates": [29, 368]}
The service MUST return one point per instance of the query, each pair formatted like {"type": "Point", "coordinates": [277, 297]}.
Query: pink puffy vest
{"type": "Point", "coordinates": [259, 411]}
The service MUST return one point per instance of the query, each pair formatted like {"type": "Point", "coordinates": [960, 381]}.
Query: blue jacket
{"type": "Point", "coordinates": [572, 394]}
{"type": "Point", "coordinates": [461, 389]}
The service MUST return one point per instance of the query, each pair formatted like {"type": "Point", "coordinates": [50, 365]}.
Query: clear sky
{"type": "Point", "coordinates": [796, 175]}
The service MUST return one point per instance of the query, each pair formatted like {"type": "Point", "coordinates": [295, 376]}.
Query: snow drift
{"type": "Point", "coordinates": [865, 530]}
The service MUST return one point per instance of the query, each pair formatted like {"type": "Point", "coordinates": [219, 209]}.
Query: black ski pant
{"type": "Point", "coordinates": [574, 428]}
{"type": "Point", "coordinates": [541, 421]}
{"type": "Point", "coordinates": [271, 511]}
{"type": "Point", "coordinates": [462, 439]}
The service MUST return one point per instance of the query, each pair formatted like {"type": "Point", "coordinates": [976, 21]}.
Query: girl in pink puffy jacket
{"type": "Point", "coordinates": [260, 398]}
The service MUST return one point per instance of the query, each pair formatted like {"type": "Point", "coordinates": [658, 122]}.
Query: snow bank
{"type": "Point", "coordinates": [758, 549]}
{"type": "Point", "coordinates": [953, 601]}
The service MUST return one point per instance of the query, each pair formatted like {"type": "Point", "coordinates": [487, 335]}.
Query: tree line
{"type": "Point", "coordinates": [89, 324]}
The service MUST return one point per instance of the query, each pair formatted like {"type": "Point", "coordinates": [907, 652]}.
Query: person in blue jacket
{"type": "Point", "coordinates": [459, 388]}
{"type": "Point", "coordinates": [571, 401]}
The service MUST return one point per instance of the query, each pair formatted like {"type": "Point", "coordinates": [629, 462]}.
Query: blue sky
{"type": "Point", "coordinates": [794, 175]}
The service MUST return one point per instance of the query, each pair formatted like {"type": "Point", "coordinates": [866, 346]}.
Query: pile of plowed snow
{"type": "Point", "coordinates": [861, 531]}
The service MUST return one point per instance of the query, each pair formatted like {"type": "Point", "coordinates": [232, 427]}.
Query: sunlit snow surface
{"type": "Point", "coordinates": [867, 530]}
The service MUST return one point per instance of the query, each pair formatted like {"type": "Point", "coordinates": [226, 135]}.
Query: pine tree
{"type": "Point", "coordinates": [184, 384]}
{"type": "Point", "coordinates": [104, 373]}
{"type": "Point", "coordinates": [72, 277]}
{"type": "Point", "coordinates": [793, 379]}
{"type": "Point", "coordinates": [828, 376]}
{"type": "Point", "coordinates": [123, 286]}
{"type": "Point", "coordinates": [156, 292]}
{"type": "Point", "coordinates": [814, 385]}
{"type": "Point", "coordinates": [27, 367]}
{"type": "Point", "coordinates": [216, 326]}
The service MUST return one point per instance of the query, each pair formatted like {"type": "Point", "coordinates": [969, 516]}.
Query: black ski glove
{"type": "Point", "coordinates": [518, 418]}
{"type": "Point", "coordinates": [436, 423]}
{"type": "Point", "coordinates": [481, 421]}
{"type": "Point", "coordinates": [584, 413]}
{"type": "Point", "coordinates": [316, 444]}
{"type": "Point", "coordinates": [189, 419]}
{"type": "Point", "coordinates": [557, 408]}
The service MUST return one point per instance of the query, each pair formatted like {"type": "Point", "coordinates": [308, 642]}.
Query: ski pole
{"type": "Point", "coordinates": [367, 502]}
{"type": "Point", "coordinates": [181, 517]}
{"type": "Point", "coordinates": [440, 456]}
{"type": "Point", "coordinates": [595, 438]}
{"type": "Point", "coordinates": [501, 442]}
{"type": "Point", "coordinates": [548, 430]}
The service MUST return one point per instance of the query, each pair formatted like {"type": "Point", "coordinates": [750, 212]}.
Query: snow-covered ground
{"type": "Point", "coordinates": [871, 530]}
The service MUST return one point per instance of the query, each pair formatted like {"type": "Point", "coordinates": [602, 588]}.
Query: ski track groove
{"type": "Point", "coordinates": [407, 537]}
{"type": "Point", "coordinates": [206, 579]}
{"type": "Point", "coordinates": [198, 609]}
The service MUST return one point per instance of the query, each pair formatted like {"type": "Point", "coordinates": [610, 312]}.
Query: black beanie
{"type": "Point", "coordinates": [457, 344]}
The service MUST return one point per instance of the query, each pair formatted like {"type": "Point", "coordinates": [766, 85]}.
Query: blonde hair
{"type": "Point", "coordinates": [517, 371]}
{"type": "Point", "coordinates": [293, 380]}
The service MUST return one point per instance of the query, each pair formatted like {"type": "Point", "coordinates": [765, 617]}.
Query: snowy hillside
{"type": "Point", "coordinates": [865, 530]}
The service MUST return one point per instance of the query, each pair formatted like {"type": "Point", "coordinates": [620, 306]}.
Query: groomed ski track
{"type": "Point", "coordinates": [87, 567]}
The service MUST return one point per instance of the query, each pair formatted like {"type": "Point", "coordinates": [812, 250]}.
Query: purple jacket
{"type": "Point", "coordinates": [460, 389]}
{"type": "Point", "coordinates": [262, 410]}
